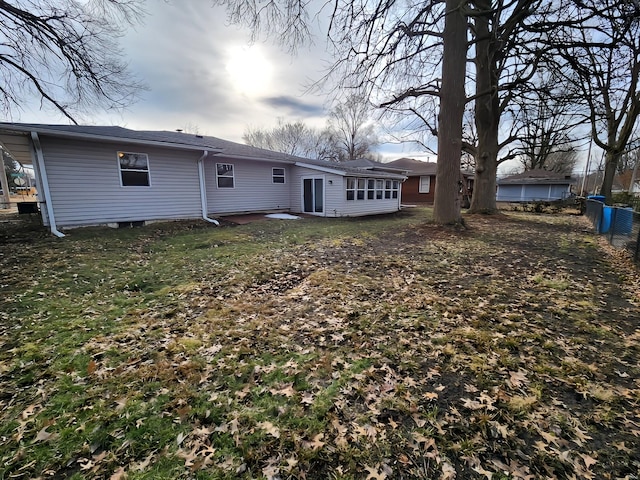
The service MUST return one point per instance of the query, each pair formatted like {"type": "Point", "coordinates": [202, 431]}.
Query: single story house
{"type": "Point", "coordinates": [420, 186]}
{"type": "Point", "coordinates": [534, 186]}
{"type": "Point", "coordinates": [89, 175]}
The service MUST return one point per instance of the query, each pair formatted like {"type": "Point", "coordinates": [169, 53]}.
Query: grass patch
{"type": "Point", "coordinates": [380, 347]}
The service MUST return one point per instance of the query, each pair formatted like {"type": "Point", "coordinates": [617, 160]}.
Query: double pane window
{"type": "Point", "coordinates": [134, 169]}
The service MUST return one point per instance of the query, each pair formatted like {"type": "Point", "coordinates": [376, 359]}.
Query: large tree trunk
{"type": "Point", "coordinates": [610, 167]}
{"type": "Point", "coordinates": [446, 208]}
{"type": "Point", "coordinates": [487, 119]}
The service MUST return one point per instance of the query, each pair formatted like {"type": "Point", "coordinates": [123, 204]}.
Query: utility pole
{"type": "Point", "coordinates": [586, 168]}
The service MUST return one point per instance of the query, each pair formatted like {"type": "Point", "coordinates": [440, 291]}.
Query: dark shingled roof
{"type": "Point", "coordinates": [182, 140]}
{"type": "Point", "coordinates": [415, 167]}
{"type": "Point", "coordinates": [160, 138]}
{"type": "Point", "coordinates": [367, 164]}
{"type": "Point", "coordinates": [538, 176]}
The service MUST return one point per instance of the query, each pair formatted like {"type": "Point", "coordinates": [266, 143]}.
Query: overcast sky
{"type": "Point", "coordinates": [203, 73]}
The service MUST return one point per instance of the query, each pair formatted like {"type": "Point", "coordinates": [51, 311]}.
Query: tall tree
{"type": "Point", "coordinates": [65, 52]}
{"type": "Point", "coordinates": [295, 138]}
{"type": "Point", "coordinates": [351, 128]}
{"type": "Point", "coordinates": [545, 117]}
{"type": "Point", "coordinates": [394, 52]}
{"type": "Point", "coordinates": [603, 49]}
{"type": "Point", "coordinates": [446, 208]}
{"type": "Point", "coordinates": [505, 35]}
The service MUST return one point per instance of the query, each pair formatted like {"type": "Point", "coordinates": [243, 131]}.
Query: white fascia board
{"type": "Point", "coordinates": [360, 174]}
{"type": "Point", "coordinates": [108, 138]}
{"type": "Point", "coordinates": [321, 169]}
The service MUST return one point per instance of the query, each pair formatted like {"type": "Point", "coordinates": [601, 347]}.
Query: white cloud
{"type": "Point", "coordinates": [201, 71]}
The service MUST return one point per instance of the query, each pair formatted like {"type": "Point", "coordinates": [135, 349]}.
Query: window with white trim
{"type": "Point", "coordinates": [379, 189]}
{"type": "Point", "coordinates": [224, 175]}
{"type": "Point", "coordinates": [134, 169]}
{"type": "Point", "coordinates": [425, 184]}
{"type": "Point", "coordinates": [277, 175]}
{"type": "Point", "coordinates": [351, 188]}
{"type": "Point", "coordinates": [371, 189]}
{"type": "Point", "coordinates": [387, 189]}
{"type": "Point", "coordinates": [360, 192]}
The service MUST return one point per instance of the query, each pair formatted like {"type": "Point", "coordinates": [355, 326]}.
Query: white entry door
{"type": "Point", "coordinates": [313, 195]}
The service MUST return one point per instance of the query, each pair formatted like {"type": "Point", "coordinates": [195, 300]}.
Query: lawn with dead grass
{"type": "Point", "coordinates": [372, 348]}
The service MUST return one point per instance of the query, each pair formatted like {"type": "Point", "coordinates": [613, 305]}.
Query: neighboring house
{"type": "Point", "coordinates": [420, 187]}
{"type": "Point", "coordinates": [88, 175]}
{"type": "Point", "coordinates": [626, 182]}
{"type": "Point", "coordinates": [534, 186]}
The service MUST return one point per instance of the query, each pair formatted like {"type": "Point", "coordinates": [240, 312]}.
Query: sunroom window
{"type": "Point", "coordinates": [371, 189]}
{"type": "Point", "coordinates": [362, 183]}
{"type": "Point", "coordinates": [351, 188]}
{"type": "Point", "coordinates": [379, 189]}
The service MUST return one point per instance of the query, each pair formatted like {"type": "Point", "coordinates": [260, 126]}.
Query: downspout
{"type": "Point", "coordinates": [203, 189]}
{"type": "Point", "coordinates": [45, 185]}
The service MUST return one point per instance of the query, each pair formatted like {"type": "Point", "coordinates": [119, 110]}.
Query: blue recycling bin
{"type": "Point", "coordinates": [605, 220]}
{"type": "Point", "coordinates": [597, 198]}
{"type": "Point", "coordinates": [623, 221]}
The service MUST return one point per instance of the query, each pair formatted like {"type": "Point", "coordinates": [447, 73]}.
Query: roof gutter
{"type": "Point", "coordinates": [45, 185]}
{"type": "Point", "coordinates": [258, 159]}
{"type": "Point", "coordinates": [203, 189]}
{"type": "Point", "coordinates": [106, 138]}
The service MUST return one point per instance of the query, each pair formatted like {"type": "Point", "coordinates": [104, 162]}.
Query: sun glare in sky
{"type": "Point", "coordinates": [249, 69]}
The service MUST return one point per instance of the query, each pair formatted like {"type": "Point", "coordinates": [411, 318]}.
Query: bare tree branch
{"type": "Point", "coordinates": [49, 41]}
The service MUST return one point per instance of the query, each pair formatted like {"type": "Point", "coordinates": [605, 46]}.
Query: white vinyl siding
{"type": "Point", "coordinates": [425, 184]}
{"type": "Point", "coordinates": [253, 189]}
{"type": "Point", "coordinates": [335, 198]}
{"type": "Point", "coordinates": [85, 184]}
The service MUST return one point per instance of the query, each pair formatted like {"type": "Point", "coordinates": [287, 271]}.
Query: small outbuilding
{"type": "Point", "coordinates": [90, 175]}
{"type": "Point", "coordinates": [535, 186]}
